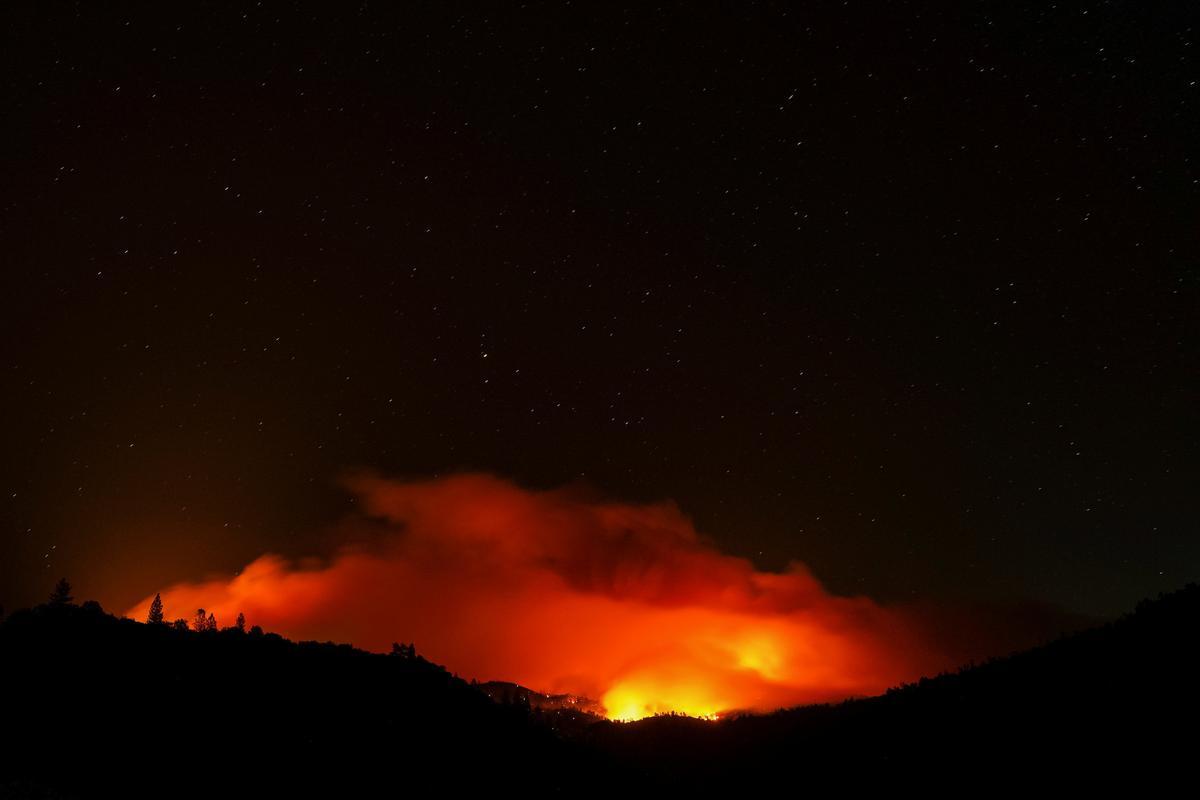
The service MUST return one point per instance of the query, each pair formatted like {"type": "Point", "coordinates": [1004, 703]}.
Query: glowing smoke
{"type": "Point", "coordinates": [565, 594]}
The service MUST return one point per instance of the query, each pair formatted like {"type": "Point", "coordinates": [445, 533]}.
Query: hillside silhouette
{"type": "Point", "coordinates": [97, 706]}
{"type": "Point", "coordinates": [1117, 702]}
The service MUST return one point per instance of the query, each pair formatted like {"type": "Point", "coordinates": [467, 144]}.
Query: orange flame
{"type": "Point", "coordinates": [565, 594]}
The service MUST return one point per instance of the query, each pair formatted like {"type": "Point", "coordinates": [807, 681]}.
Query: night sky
{"type": "Point", "coordinates": [907, 293]}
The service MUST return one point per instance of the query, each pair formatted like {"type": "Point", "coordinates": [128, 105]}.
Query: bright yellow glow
{"type": "Point", "coordinates": [667, 686]}
{"type": "Point", "coordinates": [637, 699]}
{"type": "Point", "coordinates": [762, 656]}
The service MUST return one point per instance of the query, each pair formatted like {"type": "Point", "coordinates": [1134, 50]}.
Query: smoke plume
{"type": "Point", "coordinates": [564, 593]}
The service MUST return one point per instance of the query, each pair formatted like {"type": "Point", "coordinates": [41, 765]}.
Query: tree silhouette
{"type": "Point", "coordinates": [211, 623]}
{"type": "Point", "coordinates": [200, 623]}
{"type": "Point", "coordinates": [241, 622]}
{"type": "Point", "coordinates": [155, 617]}
{"type": "Point", "coordinates": [180, 624]}
{"type": "Point", "coordinates": [61, 595]}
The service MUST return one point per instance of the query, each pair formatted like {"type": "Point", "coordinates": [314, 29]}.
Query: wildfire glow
{"type": "Point", "coordinates": [622, 603]}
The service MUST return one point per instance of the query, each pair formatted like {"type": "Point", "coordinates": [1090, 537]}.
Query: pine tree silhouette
{"type": "Point", "coordinates": [61, 595]}
{"type": "Point", "coordinates": [200, 623]}
{"type": "Point", "coordinates": [241, 622]}
{"type": "Point", "coordinates": [211, 623]}
{"type": "Point", "coordinates": [155, 617]}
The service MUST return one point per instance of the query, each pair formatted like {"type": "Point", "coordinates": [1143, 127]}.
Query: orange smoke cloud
{"type": "Point", "coordinates": [622, 603]}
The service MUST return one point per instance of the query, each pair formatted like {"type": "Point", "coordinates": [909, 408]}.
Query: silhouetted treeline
{"type": "Point", "coordinates": [96, 706]}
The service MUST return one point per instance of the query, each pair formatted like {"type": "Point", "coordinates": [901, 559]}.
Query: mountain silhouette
{"type": "Point", "coordinates": [98, 706]}
{"type": "Point", "coordinates": [1116, 702]}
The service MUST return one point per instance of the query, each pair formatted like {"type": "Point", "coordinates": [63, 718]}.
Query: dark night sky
{"type": "Point", "coordinates": [907, 293]}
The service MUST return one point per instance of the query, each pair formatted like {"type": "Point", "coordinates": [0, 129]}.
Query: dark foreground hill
{"type": "Point", "coordinates": [98, 706]}
{"type": "Point", "coordinates": [1115, 703]}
